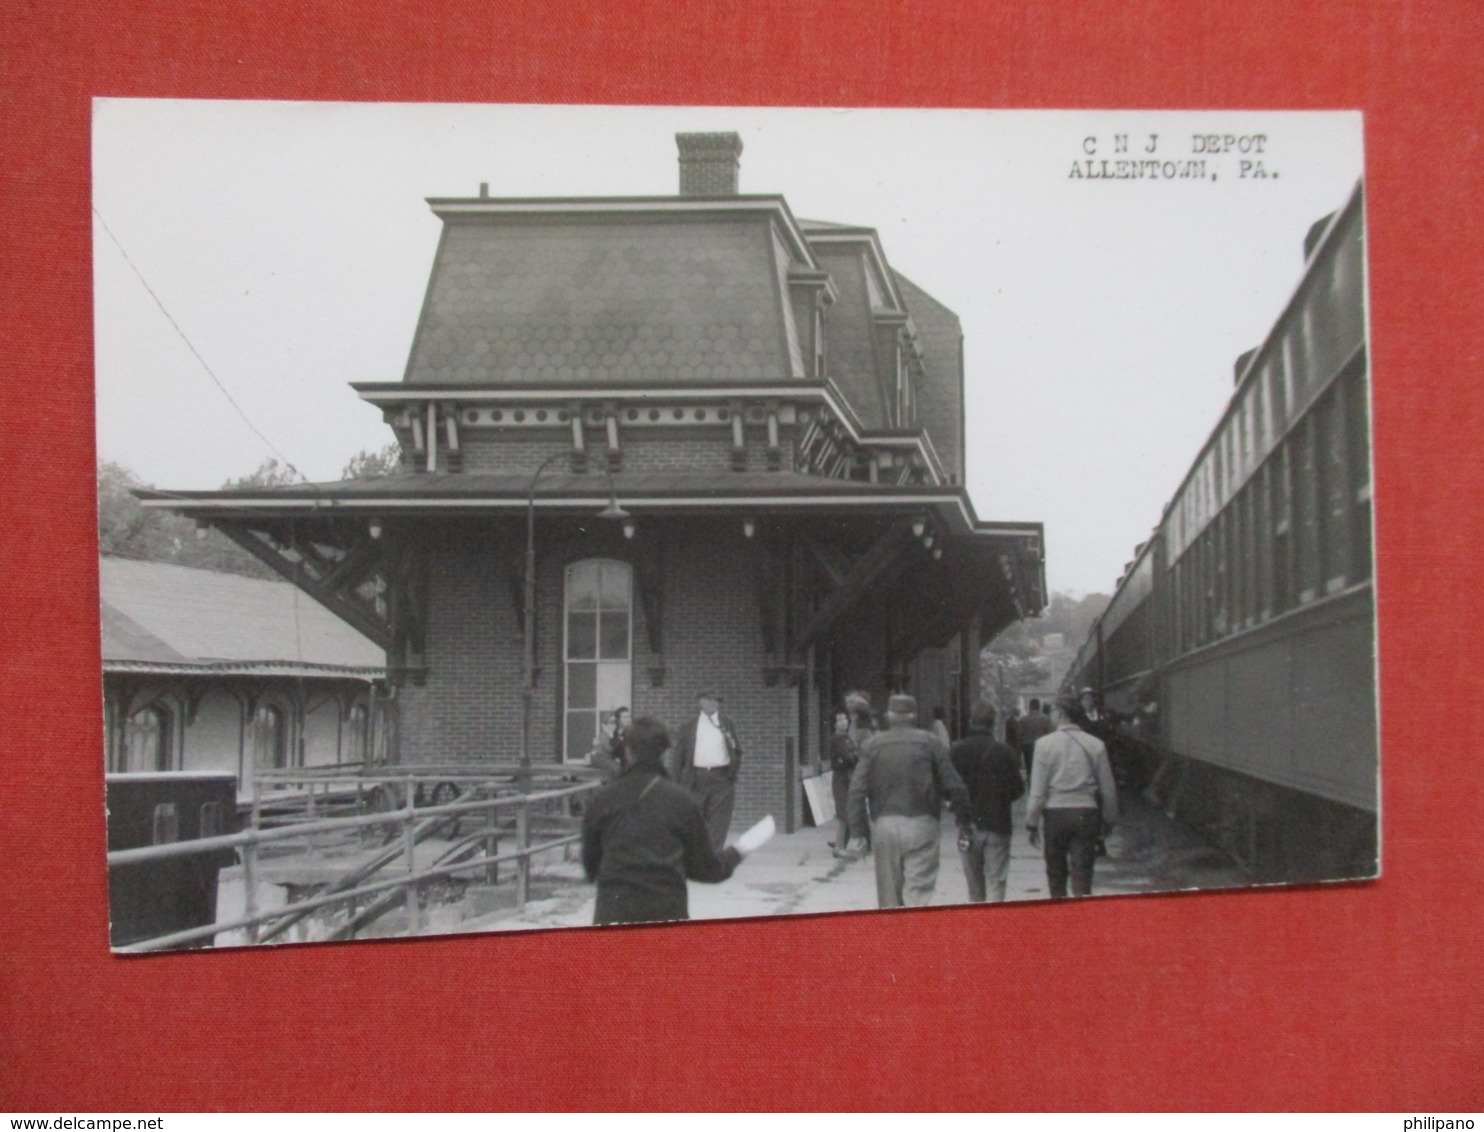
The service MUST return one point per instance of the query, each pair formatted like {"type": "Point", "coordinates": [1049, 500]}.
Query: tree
{"type": "Point", "coordinates": [368, 465]}
{"type": "Point", "coordinates": [270, 473]}
{"type": "Point", "coordinates": [1017, 660]}
{"type": "Point", "coordinates": [129, 529]}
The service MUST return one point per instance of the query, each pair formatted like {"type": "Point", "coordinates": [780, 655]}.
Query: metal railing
{"type": "Point", "coordinates": [508, 791]}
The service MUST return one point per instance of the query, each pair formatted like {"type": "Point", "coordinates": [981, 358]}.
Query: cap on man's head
{"type": "Point", "coordinates": [709, 694]}
{"type": "Point", "coordinates": [901, 705]}
{"type": "Point", "coordinates": [1085, 692]}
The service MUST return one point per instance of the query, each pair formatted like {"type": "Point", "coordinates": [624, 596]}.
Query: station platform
{"type": "Point", "coordinates": [797, 874]}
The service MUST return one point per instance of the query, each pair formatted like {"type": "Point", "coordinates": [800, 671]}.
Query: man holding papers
{"type": "Point", "coordinates": [643, 836]}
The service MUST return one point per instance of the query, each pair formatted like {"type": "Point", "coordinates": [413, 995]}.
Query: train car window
{"type": "Point", "coordinates": [1222, 576]}
{"type": "Point", "coordinates": [1303, 373]}
{"type": "Point", "coordinates": [1335, 479]}
{"type": "Point", "coordinates": [1281, 498]}
{"type": "Point", "coordinates": [1262, 551]}
{"type": "Point", "coordinates": [1306, 510]}
{"type": "Point", "coordinates": [211, 823]}
{"type": "Point", "coordinates": [165, 828]}
{"type": "Point", "coordinates": [1288, 386]}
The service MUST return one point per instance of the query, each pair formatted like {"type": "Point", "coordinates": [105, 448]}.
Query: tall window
{"type": "Point", "coordinates": [270, 738]}
{"type": "Point", "coordinates": [147, 740]}
{"type": "Point", "coordinates": [599, 660]}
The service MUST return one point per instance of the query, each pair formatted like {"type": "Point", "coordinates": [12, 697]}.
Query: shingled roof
{"type": "Point", "coordinates": [158, 615]}
{"type": "Point", "coordinates": [606, 297]}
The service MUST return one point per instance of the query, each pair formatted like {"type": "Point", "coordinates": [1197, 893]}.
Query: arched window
{"type": "Point", "coordinates": [599, 663]}
{"type": "Point", "coordinates": [270, 738]}
{"type": "Point", "coordinates": [147, 737]}
{"type": "Point", "coordinates": [357, 749]}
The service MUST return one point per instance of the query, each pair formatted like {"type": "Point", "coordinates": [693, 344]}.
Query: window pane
{"type": "Point", "coordinates": [582, 636]}
{"type": "Point", "coordinates": [615, 685]}
{"type": "Point", "coordinates": [582, 731]}
{"type": "Point", "coordinates": [613, 594]}
{"type": "Point", "coordinates": [582, 685]}
{"type": "Point", "coordinates": [615, 636]}
{"type": "Point", "coordinates": [582, 586]}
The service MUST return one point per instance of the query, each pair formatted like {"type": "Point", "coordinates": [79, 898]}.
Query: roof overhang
{"type": "Point", "coordinates": [460, 494]}
{"type": "Point", "coordinates": [392, 395]}
{"type": "Point", "coordinates": [297, 670]}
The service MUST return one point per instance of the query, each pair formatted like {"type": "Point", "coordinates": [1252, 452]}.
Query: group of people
{"type": "Point", "coordinates": [664, 815]}
{"type": "Point", "coordinates": [899, 779]}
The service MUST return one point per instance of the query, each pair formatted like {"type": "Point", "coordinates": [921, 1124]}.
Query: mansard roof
{"type": "Point", "coordinates": [610, 291]}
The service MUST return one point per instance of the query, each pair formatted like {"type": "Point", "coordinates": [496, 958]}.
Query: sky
{"type": "Point", "coordinates": [251, 259]}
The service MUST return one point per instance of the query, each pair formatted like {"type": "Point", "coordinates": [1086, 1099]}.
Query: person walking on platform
{"type": "Point", "coordinates": [1073, 801]}
{"type": "Point", "coordinates": [991, 774]}
{"type": "Point", "coordinates": [1031, 727]}
{"type": "Point", "coordinates": [643, 836]}
{"type": "Point", "coordinates": [706, 762]}
{"type": "Point", "coordinates": [903, 775]}
{"type": "Point", "coordinates": [843, 755]}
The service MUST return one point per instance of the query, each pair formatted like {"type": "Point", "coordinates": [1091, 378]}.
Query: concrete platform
{"type": "Point", "coordinates": [797, 874]}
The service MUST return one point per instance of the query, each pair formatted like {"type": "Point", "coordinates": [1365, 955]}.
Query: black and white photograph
{"type": "Point", "coordinates": [522, 517]}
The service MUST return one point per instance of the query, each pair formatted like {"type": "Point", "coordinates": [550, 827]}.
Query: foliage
{"type": "Point", "coordinates": [368, 465]}
{"type": "Point", "coordinates": [270, 473]}
{"type": "Point", "coordinates": [129, 529]}
{"type": "Point", "coordinates": [1018, 660]}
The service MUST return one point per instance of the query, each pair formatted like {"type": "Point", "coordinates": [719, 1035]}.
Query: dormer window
{"type": "Point", "coordinates": [906, 394]}
{"type": "Point", "coordinates": [819, 342]}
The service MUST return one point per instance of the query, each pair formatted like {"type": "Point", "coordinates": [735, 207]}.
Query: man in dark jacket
{"type": "Point", "coordinates": [706, 762]}
{"type": "Point", "coordinates": [991, 773]}
{"type": "Point", "coordinates": [643, 835]}
{"type": "Point", "coordinates": [902, 778]}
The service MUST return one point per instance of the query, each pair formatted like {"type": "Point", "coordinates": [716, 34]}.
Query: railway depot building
{"type": "Point", "coordinates": [731, 442]}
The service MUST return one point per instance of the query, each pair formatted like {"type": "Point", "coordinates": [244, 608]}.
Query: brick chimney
{"type": "Point", "coordinates": [708, 164]}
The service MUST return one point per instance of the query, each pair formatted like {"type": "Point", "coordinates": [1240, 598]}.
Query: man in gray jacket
{"type": "Point", "coordinates": [904, 774]}
{"type": "Point", "coordinates": [1073, 795]}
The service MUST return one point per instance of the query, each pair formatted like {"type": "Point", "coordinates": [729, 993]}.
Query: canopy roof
{"type": "Point", "coordinates": [157, 615]}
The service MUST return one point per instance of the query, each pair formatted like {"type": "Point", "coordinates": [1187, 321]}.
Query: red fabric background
{"type": "Point", "coordinates": [1356, 996]}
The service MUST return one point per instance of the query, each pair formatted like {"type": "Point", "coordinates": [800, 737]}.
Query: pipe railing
{"type": "Point", "coordinates": [255, 837]}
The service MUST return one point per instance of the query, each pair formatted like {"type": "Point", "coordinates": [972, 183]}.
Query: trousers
{"type": "Point", "coordinates": [906, 851]}
{"type": "Point", "coordinates": [716, 794]}
{"type": "Point", "coordinates": [986, 865]}
{"type": "Point", "coordinates": [1070, 838]}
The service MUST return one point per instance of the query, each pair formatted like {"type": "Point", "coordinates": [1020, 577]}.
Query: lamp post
{"type": "Point", "coordinates": [528, 689]}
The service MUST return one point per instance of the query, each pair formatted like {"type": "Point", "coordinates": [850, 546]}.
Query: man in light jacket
{"type": "Point", "coordinates": [1073, 796]}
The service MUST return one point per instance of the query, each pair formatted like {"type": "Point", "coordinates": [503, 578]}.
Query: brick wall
{"type": "Point", "coordinates": [469, 710]}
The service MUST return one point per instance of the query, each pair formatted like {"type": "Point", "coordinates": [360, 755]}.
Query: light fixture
{"type": "Point", "coordinates": [927, 542]}
{"type": "Point", "coordinates": [919, 525]}
{"type": "Point", "coordinates": [374, 528]}
{"type": "Point", "coordinates": [749, 528]}
{"type": "Point", "coordinates": [938, 553]}
{"type": "Point", "coordinates": [628, 528]}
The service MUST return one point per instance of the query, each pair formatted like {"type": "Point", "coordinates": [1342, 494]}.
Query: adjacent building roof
{"type": "Point", "coordinates": [156, 616]}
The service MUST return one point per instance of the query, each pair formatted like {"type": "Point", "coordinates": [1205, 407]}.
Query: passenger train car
{"type": "Point", "coordinates": [1241, 638]}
